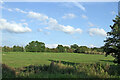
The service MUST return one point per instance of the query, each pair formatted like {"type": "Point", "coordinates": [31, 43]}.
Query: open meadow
{"type": "Point", "coordinates": [21, 59]}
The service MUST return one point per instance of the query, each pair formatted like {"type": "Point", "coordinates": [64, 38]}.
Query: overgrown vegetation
{"type": "Point", "coordinates": [61, 70]}
{"type": "Point", "coordinates": [8, 72]}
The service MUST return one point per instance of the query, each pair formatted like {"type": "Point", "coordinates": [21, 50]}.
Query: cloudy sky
{"type": "Point", "coordinates": [55, 23]}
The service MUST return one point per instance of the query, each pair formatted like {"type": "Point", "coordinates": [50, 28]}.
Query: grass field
{"type": "Point", "coordinates": [21, 59]}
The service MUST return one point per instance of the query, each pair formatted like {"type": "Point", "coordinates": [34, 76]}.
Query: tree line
{"type": "Point", "coordinates": [36, 46]}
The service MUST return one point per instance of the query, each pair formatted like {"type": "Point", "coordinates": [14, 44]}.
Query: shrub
{"type": "Point", "coordinates": [8, 72]}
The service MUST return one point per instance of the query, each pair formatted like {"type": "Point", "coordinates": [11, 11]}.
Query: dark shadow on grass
{"type": "Point", "coordinates": [63, 62]}
{"type": "Point", "coordinates": [107, 60]}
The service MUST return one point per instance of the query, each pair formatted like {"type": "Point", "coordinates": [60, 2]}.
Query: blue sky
{"type": "Point", "coordinates": [56, 22]}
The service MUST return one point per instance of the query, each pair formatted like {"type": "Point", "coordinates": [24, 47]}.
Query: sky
{"type": "Point", "coordinates": [66, 23]}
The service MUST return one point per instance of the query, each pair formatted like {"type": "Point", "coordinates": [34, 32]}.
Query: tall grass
{"type": "Point", "coordinates": [60, 70]}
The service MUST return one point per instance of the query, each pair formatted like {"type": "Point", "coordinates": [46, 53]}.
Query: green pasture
{"type": "Point", "coordinates": [21, 59]}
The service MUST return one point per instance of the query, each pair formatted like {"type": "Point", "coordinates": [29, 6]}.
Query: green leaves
{"type": "Point", "coordinates": [112, 43]}
{"type": "Point", "coordinates": [35, 46]}
{"type": "Point", "coordinates": [60, 48]}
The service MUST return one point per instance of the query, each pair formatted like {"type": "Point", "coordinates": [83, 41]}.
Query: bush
{"type": "Point", "coordinates": [8, 72]}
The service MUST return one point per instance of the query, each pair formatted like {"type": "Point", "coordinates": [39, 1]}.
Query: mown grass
{"type": "Point", "coordinates": [21, 59]}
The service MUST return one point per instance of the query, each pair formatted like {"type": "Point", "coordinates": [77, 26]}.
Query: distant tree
{"type": "Point", "coordinates": [81, 49]}
{"type": "Point", "coordinates": [74, 47]}
{"type": "Point", "coordinates": [112, 43]}
{"type": "Point", "coordinates": [0, 49]}
{"type": "Point", "coordinates": [6, 49]}
{"type": "Point", "coordinates": [18, 49]}
{"type": "Point", "coordinates": [98, 49]}
{"type": "Point", "coordinates": [35, 46]}
{"type": "Point", "coordinates": [54, 50]}
{"type": "Point", "coordinates": [70, 50]}
{"type": "Point", "coordinates": [60, 48]}
{"type": "Point", "coordinates": [66, 48]}
{"type": "Point", "coordinates": [47, 49]}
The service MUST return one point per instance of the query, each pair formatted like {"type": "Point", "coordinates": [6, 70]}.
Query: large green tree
{"type": "Point", "coordinates": [112, 43]}
{"type": "Point", "coordinates": [74, 47]}
{"type": "Point", "coordinates": [35, 46]}
{"type": "Point", "coordinates": [81, 49]}
{"type": "Point", "coordinates": [60, 48]}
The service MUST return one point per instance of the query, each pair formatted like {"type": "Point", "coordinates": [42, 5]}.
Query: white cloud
{"type": "Point", "coordinates": [19, 10]}
{"type": "Point", "coordinates": [1, 2]}
{"type": "Point", "coordinates": [51, 22]}
{"type": "Point", "coordinates": [54, 45]}
{"type": "Point", "coordinates": [79, 6]}
{"type": "Point", "coordinates": [53, 25]}
{"type": "Point", "coordinates": [37, 16]}
{"type": "Point", "coordinates": [51, 45]}
{"type": "Point", "coordinates": [84, 16]}
{"type": "Point", "coordinates": [13, 27]}
{"type": "Point", "coordinates": [90, 24]}
{"type": "Point", "coordinates": [67, 45]}
{"type": "Point", "coordinates": [15, 9]}
{"type": "Point", "coordinates": [92, 46]}
{"type": "Point", "coordinates": [74, 4]}
{"type": "Point", "coordinates": [69, 16]}
{"type": "Point", "coordinates": [97, 31]}
{"type": "Point", "coordinates": [113, 13]}
{"type": "Point", "coordinates": [10, 10]}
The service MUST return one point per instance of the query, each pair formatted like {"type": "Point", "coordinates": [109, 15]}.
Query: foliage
{"type": "Point", "coordinates": [112, 43]}
{"type": "Point", "coordinates": [74, 47]}
{"type": "Point", "coordinates": [6, 49]}
{"type": "Point", "coordinates": [60, 48]}
{"type": "Point", "coordinates": [18, 49]}
{"type": "Point", "coordinates": [98, 49]}
{"type": "Point", "coordinates": [8, 72]}
{"type": "Point", "coordinates": [81, 49]}
{"type": "Point", "coordinates": [47, 50]}
{"type": "Point", "coordinates": [35, 46]}
{"type": "Point", "coordinates": [66, 49]}
{"type": "Point", "coordinates": [60, 70]}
